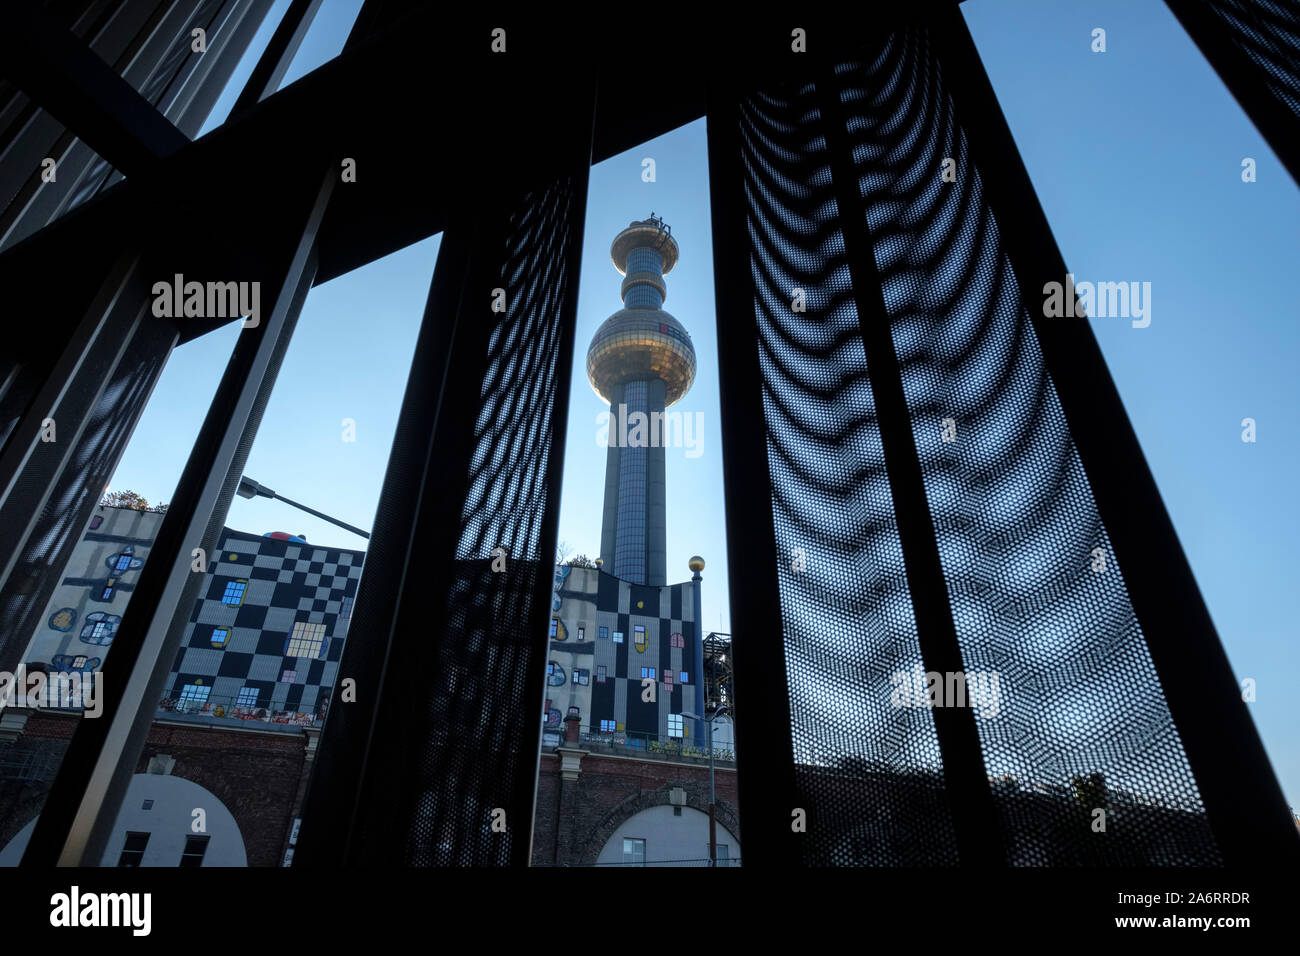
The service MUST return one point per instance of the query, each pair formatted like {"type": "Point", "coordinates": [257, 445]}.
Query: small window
{"type": "Point", "coordinates": [148, 805]}
{"type": "Point", "coordinates": [634, 852]}
{"type": "Point", "coordinates": [675, 725]}
{"type": "Point", "coordinates": [618, 637]}
{"type": "Point", "coordinates": [107, 593]}
{"type": "Point", "coordinates": [683, 678]}
{"type": "Point", "coordinates": [345, 611]}
{"type": "Point", "coordinates": [195, 847]}
{"type": "Point", "coordinates": [647, 673]}
{"type": "Point", "coordinates": [638, 636]}
{"type": "Point", "coordinates": [607, 726]}
{"type": "Point", "coordinates": [193, 697]}
{"type": "Point", "coordinates": [677, 811]}
{"type": "Point", "coordinates": [581, 676]}
{"type": "Point", "coordinates": [550, 669]}
{"type": "Point", "coordinates": [234, 593]}
{"type": "Point", "coordinates": [307, 640]}
{"type": "Point", "coordinates": [79, 662]}
{"type": "Point", "coordinates": [600, 673]}
{"type": "Point", "coordinates": [96, 521]}
{"type": "Point", "coordinates": [288, 677]}
{"type": "Point", "coordinates": [133, 850]}
{"type": "Point", "coordinates": [247, 697]}
{"type": "Point", "coordinates": [677, 640]}
{"type": "Point", "coordinates": [555, 627]}
{"type": "Point", "coordinates": [220, 637]}
{"type": "Point", "coordinates": [582, 633]}
{"type": "Point", "coordinates": [722, 854]}
{"type": "Point", "coordinates": [668, 679]}
{"type": "Point", "coordinates": [602, 633]}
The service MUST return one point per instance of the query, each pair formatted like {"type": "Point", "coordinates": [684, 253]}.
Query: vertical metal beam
{"type": "Point", "coordinates": [970, 798]}
{"type": "Point", "coordinates": [365, 799]}
{"type": "Point", "coordinates": [279, 53]}
{"type": "Point", "coordinates": [1244, 78]}
{"type": "Point", "coordinates": [1244, 804]}
{"type": "Point", "coordinates": [764, 742]}
{"type": "Point", "coordinates": [79, 813]}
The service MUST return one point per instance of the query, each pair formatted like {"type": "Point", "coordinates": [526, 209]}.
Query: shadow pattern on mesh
{"type": "Point", "coordinates": [1082, 721]}
{"type": "Point", "coordinates": [481, 734]}
{"type": "Point", "coordinates": [1268, 32]}
{"type": "Point", "coordinates": [868, 773]}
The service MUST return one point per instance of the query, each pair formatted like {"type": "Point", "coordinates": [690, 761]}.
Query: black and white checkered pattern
{"type": "Point", "coordinates": [286, 582]}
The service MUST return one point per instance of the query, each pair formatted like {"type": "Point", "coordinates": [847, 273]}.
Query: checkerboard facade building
{"type": "Point", "coordinates": [607, 637]}
{"type": "Point", "coordinates": [265, 637]}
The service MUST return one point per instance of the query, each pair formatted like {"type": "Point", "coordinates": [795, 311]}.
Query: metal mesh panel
{"type": "Point", "coordinates": [486, 678]}
{"type": "Point", "coordinates": [1016, 522]}
{"type": "Point", "coordinates": [63, 518]}
{"type": "Point", "coordinates": [867, 773]}
{"type": "Point", "coordinates": [1268, 32]}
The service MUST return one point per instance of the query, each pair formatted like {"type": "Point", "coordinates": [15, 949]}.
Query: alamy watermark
{"type": "Point", "coordinates": [654, 430]}
{"type": "Point", "coordinates": [919, 688]}
{"type": "Point", "coordinates": [212, 300]}
{"type": "Point", "coordinates": [62, 689]}
{"type": "Point", "coordinates": [1099, 300]}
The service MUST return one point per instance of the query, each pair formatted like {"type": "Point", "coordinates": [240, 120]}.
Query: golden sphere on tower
{"type": "Point", "coordinates": [696, 563]}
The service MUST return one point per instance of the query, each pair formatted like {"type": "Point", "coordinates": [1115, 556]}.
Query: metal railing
{"type": "Point", "coordinates": [655, 744]}
{"type": "Point", "coordinates": [230, 708]}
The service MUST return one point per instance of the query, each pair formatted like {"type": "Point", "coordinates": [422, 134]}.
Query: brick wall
{"type": "Point", "coordinates": [574, 819]}
{"type": "Point", "coordinates": [257, 775]}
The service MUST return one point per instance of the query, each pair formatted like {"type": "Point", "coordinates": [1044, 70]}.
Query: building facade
{"type": "Point", "coordinates": [622, 658]}
{"type": "Point", "coordinates": [265, 637]}
{"type": "Point", "coordinates": [237, 726]}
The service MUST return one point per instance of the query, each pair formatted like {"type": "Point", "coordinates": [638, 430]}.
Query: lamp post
{"type": "Point", "coordinates": [713, 797]}
{"type": "Point", "coordinates": [248, 488]}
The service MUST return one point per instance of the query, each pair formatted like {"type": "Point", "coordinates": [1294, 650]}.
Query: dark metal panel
{"type": "Point", "coordinates": [450, 688]}
{"type": "Point", "coordinates": [1254, 46]}
{"type": "Point", "coordinates": [274, 62]}
{"type": "Point", "coordinates": [764, 751]}
{"type": "Point", "coordinates": [1242, 800]}
{"type": "Point", "coordinates": [62, 75]}
{"type": "Point", "coordinates": [975, 824]}
{"type": "Point", "coordinates": [87, 793]}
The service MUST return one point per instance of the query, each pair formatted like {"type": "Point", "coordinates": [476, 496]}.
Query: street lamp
{"type": "Point", "coordinates": [713, 798]}
{"type": "Point", "coordinates": [248, 488]}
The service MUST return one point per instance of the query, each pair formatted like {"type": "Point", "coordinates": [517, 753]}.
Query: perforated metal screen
{"type": "Point", "coordinates": [1070, 712]}
{"type": "Point", "coordinates": [1268, 32]}
{"type": "Point", "coordinates": [478, 733]}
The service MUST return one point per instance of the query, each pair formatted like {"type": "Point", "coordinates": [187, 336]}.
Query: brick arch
{"type": "Point", "coordinates": [697, 797]}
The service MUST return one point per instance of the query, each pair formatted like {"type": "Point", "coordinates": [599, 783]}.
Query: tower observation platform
{"type": "Point", "coordinates": [640, 361]}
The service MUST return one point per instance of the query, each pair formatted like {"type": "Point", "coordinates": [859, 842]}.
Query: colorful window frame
{"type": "Point", "coordinates": [677, 640]}
{"type": "Point", "coordinates": [233, 593]}
{"type": "Point", "coordinates": [638, 637]}
{"type": "Point", "coordinates": [676, 726]}
{"type": "Point", "coordinates": [648, 673]}
{"type": "Point", "coordinates": [220, 637]}
{"type": "Point", "coordinates": [306, 640]}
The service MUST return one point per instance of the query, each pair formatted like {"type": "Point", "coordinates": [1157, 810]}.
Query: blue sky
{"type": "Point", "coordinates": [1136, 157]}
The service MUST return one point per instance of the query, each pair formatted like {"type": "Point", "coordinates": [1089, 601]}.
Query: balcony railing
{"type": "Point", "coordinates": [653, 744]}
{"type": "Point", "coordinates": [230, 708]}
